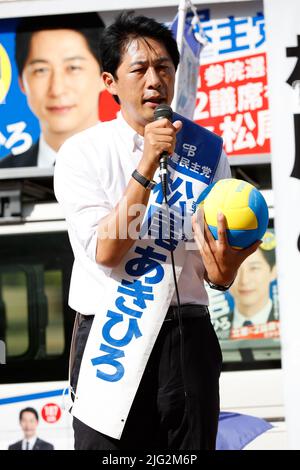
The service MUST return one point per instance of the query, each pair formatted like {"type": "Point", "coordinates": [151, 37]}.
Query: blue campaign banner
{"type": "Point", "coordinates": [19, 128]}
{"type": "Point", "coordinates": [187, 75]}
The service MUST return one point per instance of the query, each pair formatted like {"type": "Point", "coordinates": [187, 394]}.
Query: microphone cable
{"type": "Point", "coordinates": [164, 111]}
{"type": "Point", "coordinates": [187, 408]}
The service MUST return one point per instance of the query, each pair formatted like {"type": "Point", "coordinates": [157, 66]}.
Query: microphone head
{"type": "Point", "coordinates": [163, 111]}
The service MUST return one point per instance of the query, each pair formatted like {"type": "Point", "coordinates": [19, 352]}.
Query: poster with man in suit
{"type": "Point", "coordinates": [49, 85]}
{"type": "Point", "coordinates": [29, 420]}
{"type": "Point", "coordinates": [249, 310]}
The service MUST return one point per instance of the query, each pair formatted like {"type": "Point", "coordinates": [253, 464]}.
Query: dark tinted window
{"type": "Point", "coordinates": [35, 320]}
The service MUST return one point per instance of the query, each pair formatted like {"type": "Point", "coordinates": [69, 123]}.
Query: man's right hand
{"type": "Point", "coordinates": [159, 137]}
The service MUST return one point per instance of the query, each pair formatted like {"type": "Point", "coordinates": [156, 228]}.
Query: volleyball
{"type": "Point", "coordinates": [244, 207]}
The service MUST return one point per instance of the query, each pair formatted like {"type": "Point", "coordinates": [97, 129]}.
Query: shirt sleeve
{"type": "Point", "coordinates": [223, 169]}
{"type": "Point", "coordinates": [78, 189]}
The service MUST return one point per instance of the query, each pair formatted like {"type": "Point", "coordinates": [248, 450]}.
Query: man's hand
{"type": "Point", "coordinates": [159, 137]}
{"type": "Point", "coordinates": [221, 261]}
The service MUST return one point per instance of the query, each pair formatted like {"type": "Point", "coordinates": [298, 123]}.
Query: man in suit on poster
{"type": "Point", "coordinates": [254, 304]}
{"type": "Point", "coordinates": [29, 420]}
{"type": "Point", "coordinates": [59, 72]}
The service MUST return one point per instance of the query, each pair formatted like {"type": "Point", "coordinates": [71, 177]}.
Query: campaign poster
{"type": "Point", "coordinates": [232, 96]}
{"type": "Point", "coordinates": [250, 308]}
{"type": "Point", "coordinates": [50, 85]}
{"type": "Point", "coordinates": [19, 128]}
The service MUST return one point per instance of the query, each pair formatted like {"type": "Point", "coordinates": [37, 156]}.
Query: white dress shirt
{"type": "Point", "coordinates": [46, 154]}
{"type": "Point", "coordinates": [259, 318]}
{"type": "Point", "coordinates": [31, 443]}
{"type": "Point", "coordinates": [91, 174]}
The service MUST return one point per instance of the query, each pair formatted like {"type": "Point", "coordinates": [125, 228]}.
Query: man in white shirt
{"type": "Point", "coordinates": [144, 393]}
{"type": "Point", "coordinates": [59, 73]}
{"type": "Point", "coordinates": [29, 420]}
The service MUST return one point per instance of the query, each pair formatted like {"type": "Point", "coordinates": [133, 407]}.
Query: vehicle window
{"type": "Point", "coordinates": [35, 320]}
{"type": "Point", "coordinates": [55, 327]}
{"type": "Point", "coordinates": [14, 299]}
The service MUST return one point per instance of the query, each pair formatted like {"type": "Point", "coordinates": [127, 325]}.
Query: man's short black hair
{"type": "Point", "coordinates": [28, 410]}
{"type": "Point", "coordinates": [269, 256]}
{"type": "Point", "coordinates": [90, 25]}
{"type": "Point", "coordinates": [127, 27]}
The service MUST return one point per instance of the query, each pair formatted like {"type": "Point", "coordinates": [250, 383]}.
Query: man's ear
{"type": "Point", "coordinates": [109, 83]}
{"type": "Point", "coordinates": [102, 86]}
{"type": "Point", "coordinates": [21, 85]}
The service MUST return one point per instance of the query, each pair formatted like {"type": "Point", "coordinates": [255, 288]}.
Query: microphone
{"type": "Point", "coordinates": [163, 111]}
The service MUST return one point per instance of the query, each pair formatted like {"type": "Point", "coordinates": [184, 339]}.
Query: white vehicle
{"type": "Point", "coordinates": [36, 325]}
{"type": "Point", "coordinates": [36, 322]}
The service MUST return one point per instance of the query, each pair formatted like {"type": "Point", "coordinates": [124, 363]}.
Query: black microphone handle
{"type": "Point", "coordinates": [163, 111]}
{"type": "Point", "coordinates": [163, 162]}
{"type": "Point", "coordinates": [163, 172]}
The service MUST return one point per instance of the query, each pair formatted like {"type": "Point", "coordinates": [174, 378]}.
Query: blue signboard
{"type": "Point", "coordinates": [19, 128]}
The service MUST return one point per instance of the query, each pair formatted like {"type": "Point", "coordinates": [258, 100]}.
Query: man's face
{"type": "Point", "coordinates": [251, 286]}
{"type": "Point", "coordinates": [28, 424]}
{"type": "Point", "coordinates": [144, 79]}
{"type": "Point", "coordinates": [61, 79]}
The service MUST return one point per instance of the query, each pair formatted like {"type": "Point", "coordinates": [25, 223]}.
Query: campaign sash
{"type": "Point", "coordinates": [140, 289]}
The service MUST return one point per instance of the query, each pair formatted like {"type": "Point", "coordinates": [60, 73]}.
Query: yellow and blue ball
{"type": "Point", "coordinates": [244, 207]}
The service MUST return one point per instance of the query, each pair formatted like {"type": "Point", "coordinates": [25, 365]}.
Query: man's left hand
{"type": "Point", "coordinates": [220, 260]}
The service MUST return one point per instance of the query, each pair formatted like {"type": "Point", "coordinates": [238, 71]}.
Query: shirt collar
{"type": "Point", "coordinates": [136, 141]}
{"type": "Point", "coordinates": [31, 442]}
{"type": "Point", "coordinates": [46, 155]}
{"type": "Point", "coordinates": [257, 319]}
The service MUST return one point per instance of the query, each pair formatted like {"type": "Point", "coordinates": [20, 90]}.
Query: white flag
{"type": "Point", "coordinates": [191, 44]}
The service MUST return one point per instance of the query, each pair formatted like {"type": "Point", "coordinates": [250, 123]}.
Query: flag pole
{"type": "Point", "coordinates": [182, 9]}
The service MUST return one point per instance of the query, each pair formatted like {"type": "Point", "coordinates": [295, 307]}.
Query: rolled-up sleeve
{"type": "Point", "coordinates": [80, 193]}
